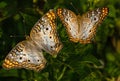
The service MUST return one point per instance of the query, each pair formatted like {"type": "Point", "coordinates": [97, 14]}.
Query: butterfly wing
{"type": "Point", "coordinates": [44, 33]}
{"type": "Point", "coordinates": [25, 55]}
{"type": "Point", "coordinates": [69, 19]}
{"type": "Point", "coordinates": [89, 23]}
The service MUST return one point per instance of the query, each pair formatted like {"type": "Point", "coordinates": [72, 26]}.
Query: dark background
{"type": "Point", "coordinates": [98, 61]}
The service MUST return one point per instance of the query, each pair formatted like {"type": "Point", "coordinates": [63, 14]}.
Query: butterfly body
{"type": "Point", "coordinates": [83, 27]}
{"type": "Point", "coordinates": [28, 54]}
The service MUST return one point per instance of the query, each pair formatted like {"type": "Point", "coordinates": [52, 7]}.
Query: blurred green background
{"type": "Point", "coordinates": [98, 61]}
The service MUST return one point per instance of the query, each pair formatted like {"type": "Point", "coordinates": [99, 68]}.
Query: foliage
{"type": "Point", "coordinates": [99, 61]}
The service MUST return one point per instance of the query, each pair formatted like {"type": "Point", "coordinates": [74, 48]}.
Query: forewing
{"type": "Point", "coordinates": [89, 23]}
{"type": "Point", "coordinates": [44, 33]}
{"type": "Point", "coordinates": [69, 20]}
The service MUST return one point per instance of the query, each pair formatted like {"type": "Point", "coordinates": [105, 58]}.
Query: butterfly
{"type": "Point", "coordinates": [28, 54]}
{"type": "Point", "coordinates": [82, 28]}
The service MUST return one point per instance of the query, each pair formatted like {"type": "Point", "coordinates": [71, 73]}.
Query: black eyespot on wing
{"type": "Point", "coordinates": [47, 28]}
{"type": "Point", "coordinates": [28, 60]}
{"type": "Point", "coordinates": [94, 18]}
{"type": "Point", "coordinates": [38, 60]}
{"type": "Point", "coordinates": [20, 58]}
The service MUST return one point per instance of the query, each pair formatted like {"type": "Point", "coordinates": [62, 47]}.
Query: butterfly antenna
{"type": "Point", "coordinates": [24, 23]}
{"type": "Point", "coordinates": [74, 7]}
